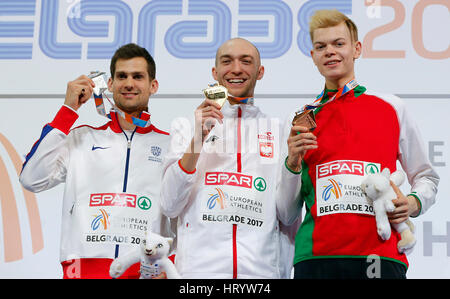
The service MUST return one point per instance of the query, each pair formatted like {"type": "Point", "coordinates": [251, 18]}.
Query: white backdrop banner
{"type": "Point", "coordinates": [46, 43]}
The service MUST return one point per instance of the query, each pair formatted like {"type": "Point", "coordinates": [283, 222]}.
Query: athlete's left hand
{"type": "Point", "coordinates": [405, 206]}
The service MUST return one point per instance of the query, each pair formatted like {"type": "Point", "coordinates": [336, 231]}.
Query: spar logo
{"type": "Point", "coordinates": [217, 199]}
{"type": "Point", "coordinates": [235, 179]}
{"type": "Point", "coordinates": [333, 188]}
{"type": "Point", "coordinates": [371, 168]}
{"type": "Point", "coordinates": [12, 224]}
{"type": "Point", "coordinates": [119, 200]}
{"type": "Point", "coordinates": [340, 167]}
{"type": "Point", "coordinates": [113, 200]}
{"type": "Point", "coordinates": [228, 178]}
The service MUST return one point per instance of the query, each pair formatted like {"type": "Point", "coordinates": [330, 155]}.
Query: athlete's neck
{"type": "Point", "coordinates": [237, 100]}
{"type": "Point", "coordinates": [124, 124]}
{"type": "Point", "coordinates": [338, 83]}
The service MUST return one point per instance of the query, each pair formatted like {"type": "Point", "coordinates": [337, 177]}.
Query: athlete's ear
{"type": "Point", "coordinates": [260, 72]}
{"type": "Point", "coordinates": [214, 73]}
{"type": "Point", "coordinates": [110, 82]}
{"type": "Point", "coordinates": [313, 57]}
{"type": "Point", "coordinates": [154, 86]}
{"type": "Point", "coordinates": [358, 50]}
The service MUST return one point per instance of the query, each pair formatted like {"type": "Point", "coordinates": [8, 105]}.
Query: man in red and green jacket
{"type": "Point", "coordinates": [358, 132]}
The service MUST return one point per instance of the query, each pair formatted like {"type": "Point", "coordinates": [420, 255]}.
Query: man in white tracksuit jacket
{"type": "Point", "coordinates": [221, 183]}
{"type": "Point", "coordinates": [112, 173]}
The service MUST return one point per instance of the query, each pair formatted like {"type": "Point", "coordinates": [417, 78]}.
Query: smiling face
{"type": "Point", "coordinates": [238, 67]}
{"type": "Point", "coordinates": [334, 53]}
{"type": "Point", "coordinates": [132, 85]}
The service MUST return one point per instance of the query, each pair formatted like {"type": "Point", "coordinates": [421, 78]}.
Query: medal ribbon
{"type": "Point", "coordinates": [142, 121]}
{"type": "Point", "coordinates": [352, 84]}
{"type": "Point", "coordinates": [243, 100]}
{"type": "Point", "coordinates": [100, 87]}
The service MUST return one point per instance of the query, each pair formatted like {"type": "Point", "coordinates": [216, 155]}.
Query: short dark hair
{"type": "Point", "coordinates": [129, 51]}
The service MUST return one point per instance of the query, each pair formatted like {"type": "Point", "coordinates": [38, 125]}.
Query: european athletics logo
{"type": "Point", "coordinates": [334, 187]}
{"type": "Point", "coordinates": [102, 219]}
{"type": "Point", "coordinates": [215, 198]}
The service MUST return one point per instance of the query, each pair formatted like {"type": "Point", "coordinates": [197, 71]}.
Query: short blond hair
{"type": "Point", "coordinates": [329, 18]}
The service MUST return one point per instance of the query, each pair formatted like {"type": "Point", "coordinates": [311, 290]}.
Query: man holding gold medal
{"type": "Point", "coordinates": [220, 181]}
{"type": "Point", "coordinates": [111, 173]}
{"type": "Point", "coordinates": [352, 132]}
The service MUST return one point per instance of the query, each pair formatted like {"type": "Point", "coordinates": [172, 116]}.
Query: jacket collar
{"type": "Point", "coordinates": [115, 125]}
{"type": "Point", "coordinates": [249, 110]}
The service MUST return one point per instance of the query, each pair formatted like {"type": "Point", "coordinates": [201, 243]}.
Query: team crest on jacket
{"type": "Point", "coordinates": [266, 145]}
{"type": "Point", "coordinates": [155, 154]}
{"type": "Point", "coordinates": [156, 151]}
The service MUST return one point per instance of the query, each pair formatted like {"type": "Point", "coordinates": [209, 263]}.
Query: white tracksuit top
{"type": "Point", "coordinates": [112, 183]}
{"type": "Point", "coordinates": [227, 218]}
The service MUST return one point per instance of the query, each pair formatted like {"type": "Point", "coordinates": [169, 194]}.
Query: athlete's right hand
{"type": "Point", "coordinates": [79, 92]}
{"type": "Point", "coordinates": [299, 142]}
{"type": "Point", "coordinates": [205, 118]}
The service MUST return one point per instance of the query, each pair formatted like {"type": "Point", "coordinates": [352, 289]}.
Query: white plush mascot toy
{"type": "Point", "coordinates": [153, 255]}
{"type": "Point", "coordinates": [377, 188]}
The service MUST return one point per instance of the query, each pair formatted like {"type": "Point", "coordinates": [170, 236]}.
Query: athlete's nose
{"type": "Point", "coordinates": [329, 50]}
{"type": "Point", "coordinates": [236, 68]}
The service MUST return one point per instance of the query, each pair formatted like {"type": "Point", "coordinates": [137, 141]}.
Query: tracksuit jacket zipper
{"type": "Point", "coordinates": [239, 169]}
{"type": "Point", "coordinates": [125, 179]}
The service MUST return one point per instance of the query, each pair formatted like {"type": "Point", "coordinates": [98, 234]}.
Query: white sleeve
{"type": "Point", "coordinates": [288, 186]}
{"type": "Point", "coordinates": [176, 182]}
{"type": "Point", "coordinates": [45, 165]}
{"type": "Point", "coordinates": [414, 160]}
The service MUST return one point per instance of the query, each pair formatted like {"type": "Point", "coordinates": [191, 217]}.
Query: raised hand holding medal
{"type": "Point", "coordinates": [216, 96]}
{"type": "Point", "coordinates": [209, 112]}
{"type": "Point", "coordinates": [216, 93]}
{"type": "Point", "coordinates": [99, 78]}
{"type": "Point", "coordinates": [78, 92]}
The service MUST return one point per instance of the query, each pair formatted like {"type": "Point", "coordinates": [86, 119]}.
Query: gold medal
{"type": "Point", "coordinates": [217, 93]}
